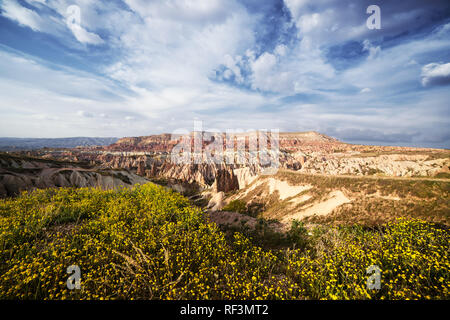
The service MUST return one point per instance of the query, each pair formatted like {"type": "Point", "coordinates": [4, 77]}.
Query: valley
{"type": "Point", "coordinates": [319, 179]}
{"type": "Point", "coordinates": [147, 228]}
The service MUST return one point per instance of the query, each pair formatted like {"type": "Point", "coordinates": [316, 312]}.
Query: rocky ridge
{"type": "Point", "coordinates": [18, 174]}
{"type": "Point", "coordinates": [306, 152]}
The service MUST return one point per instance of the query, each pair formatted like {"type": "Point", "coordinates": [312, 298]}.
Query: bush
{"type": "Point", "coordinates": [149, 243]}
{"type": "Point", "coordinates": [298, 235]}
{"type": "Point", "coordinates": [236, 206]}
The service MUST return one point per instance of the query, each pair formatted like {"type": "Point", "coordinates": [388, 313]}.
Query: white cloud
{"type": "Point", "coordinates": [373, 51]}
{"type": "Point", "coordinates": [392, 70]}
{"type": "Point", "coordinates": [168, 53]}
{"type": "Point", "coordinates": [49, 23]}
{"type": "Point", "coordinates": [84, 114]}
{"type": "Point", "coordinates": [295, 7]}
{"type": "Point", "coordinates": [24, 16]}
{"type": "Point", "coordinates": [309, 22]}
{"type": "Point", "coordinates": [180, 47]}
{"type": "Point", "coordinates": [190, 11]}
{"type": "Point", "coordinates": [281, 50]}
{"type": "Point", "coordinates": [233, 68]}
{"type": "Point", "coordinates": [85, 36]}
{"type": "Point", "coordinates": [27, 86]}
{"type": "Point", "coordinates": [288, 71]}
{"type": "Point", "coordinates": [34, 73]}
{"type": "Point", "coordinates": [45, 117]}
{"type": "Point", "coordinates": [435, 73]}
{"type": "Point", "coordinates": [263, 70]}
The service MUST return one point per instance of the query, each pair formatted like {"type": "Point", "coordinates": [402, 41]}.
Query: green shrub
{"type": "Point", "coordinates": [298, 235]}
{"type": "Point", "coordinates": [236, 206]}
{"type": "Point", "coordinates": [150, 243]}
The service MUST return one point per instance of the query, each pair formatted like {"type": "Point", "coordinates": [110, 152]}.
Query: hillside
{"type": "Point", "coordinates": [14, 144]}
{"type": "Point", "coordinates": [150, 243]}
{"type": "Point", "coordinates": [305, 152]}
{"type": "Point", "coordinates": [165, 142]}
{"type": "Point", "coordinates": [369, 201]}
{"type": "Point", "coordinates": [320, 180]}
{"type": "Point", "coordinates": [19, 173]}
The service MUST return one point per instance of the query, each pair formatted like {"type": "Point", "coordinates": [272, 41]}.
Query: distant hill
{"type": "Point", "coordinates": [11, 144]}
{"type": "Point", "coordinates": [165, 142]}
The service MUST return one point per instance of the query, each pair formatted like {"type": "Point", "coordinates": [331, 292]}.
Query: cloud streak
{"type": "Point", "coordinates": [436, 74]}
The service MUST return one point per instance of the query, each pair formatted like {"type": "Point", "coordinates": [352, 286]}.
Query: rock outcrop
{"type": "Point", "coordinates": [307, 152]}
{"type": "Point", "coordinates": [19, 174]}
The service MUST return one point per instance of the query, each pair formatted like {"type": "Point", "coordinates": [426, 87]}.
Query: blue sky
{"type": "Point", "coordinates": [138, 67]}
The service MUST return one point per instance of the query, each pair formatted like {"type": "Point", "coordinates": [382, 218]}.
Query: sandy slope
{"type": "Point", "coordinates": [334, 200]}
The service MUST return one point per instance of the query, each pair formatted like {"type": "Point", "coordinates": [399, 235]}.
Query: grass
{"type": "Point", "coordinates": [443, 175]}
{"type": "Point", "coordinates": [376, 211]}
{"type": "Point", "coordinates": [150, 243]}
{"type": "Point", "coordinates": [412, 188]}
{"type": "Point", "coordinates": [236, 206]}
{"type": "Point", "coordinates": [375, 151]}
{"type": "Point", "coordinates": [8, 158]}
{"type": "Point", "coordinates": [122, 177]}
{"type": "Point", "coordinates": [417, 198]}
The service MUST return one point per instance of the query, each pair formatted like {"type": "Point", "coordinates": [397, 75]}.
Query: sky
{"type": "Point", "coordinates": [138, 67]}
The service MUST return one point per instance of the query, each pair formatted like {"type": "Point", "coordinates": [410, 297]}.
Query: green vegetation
{"type": "Point", "coordinates": [425, 189]}
{"type": "Point", "coordinates": [267, 234]}
{"type": "Point", "coordinates": [253, 209]}
{"type": "Point", "coordinates": [122, 177]}
{"type": "Point", "coordinates": [443, 175]}
{"type": "Point", "coordinates": [236, 206]}
{"type": "Point", "coordinates": [150, 243]}
{"type": "Point", "coordinates": [160, 181]}
{"type": "Point", "coordinates": [372, 151]}
{"type": "Point", "coordinates": [374, 200]}
{"type": "Point", "coordinates": [7, 160]}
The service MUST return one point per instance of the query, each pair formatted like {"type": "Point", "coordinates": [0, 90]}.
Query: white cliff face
{"type": "Point", "coordinates": [389, 165]}
{"type": "Point", "coordinates": [223, 177]}
{"type": "Point", "coordinates": [216, 202]}
{"type": "Point", "coordinates": [17, 175]}
{"type": "Point", "coordinates": [14, 183]}
{"type": "Point", "coordinates": [245, 176]}
{"type": "Point", "coordinates": [306, 152]}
